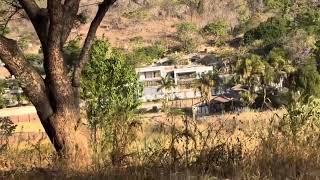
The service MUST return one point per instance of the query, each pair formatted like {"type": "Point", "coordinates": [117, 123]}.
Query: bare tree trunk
{"type": "Point", "coordinates": [71, 139]}
{"type": "Point", "coordinates": [56, 97]}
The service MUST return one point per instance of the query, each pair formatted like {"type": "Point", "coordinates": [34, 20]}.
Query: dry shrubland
{"type": "Point", "coordinates": [249, 145]}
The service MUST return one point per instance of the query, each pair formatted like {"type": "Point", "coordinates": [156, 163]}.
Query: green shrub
{"type": "Point", "coordinates": [308, 79]}
{"type": "Point", "coordinates": [186, 27]}
{"type": "Point", "coordinates": [270, 31]}
{"type": "Point", "coordinates": [71, 51]}
{"type": "Point", "coordinates": [309, 20]}
{"type": "Point", "coordinates": [218, 28]}
{"type": "Point", "coordinates": [4, 30]}
{"type": "Point", "coordinates": [111, 90]}
{"type": "Point", "coordinates": [136, 42]}
{"type": "Point", "coordinates": [279, 4]}
{"type": "Point", "coordinates": [188, 36]}
{"type": "Point", "coordinates": [146, 55]}
{"type": "Point", "coordinates": [34, 58]}
{"type": "Point", "coordinates": [7, 129]}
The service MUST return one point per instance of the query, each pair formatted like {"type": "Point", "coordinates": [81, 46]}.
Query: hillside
{"type": "Point", "coordinates": [152, 20]}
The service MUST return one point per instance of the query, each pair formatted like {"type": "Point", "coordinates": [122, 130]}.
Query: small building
{"type": "Point", "coordinates": [151, 78]}
{"type": "Point", "coordinates": [200, 109]}
{"type": "Point", "coordinates": [184, 77]}
{"type": "Point", "coordinates": [229, 100]}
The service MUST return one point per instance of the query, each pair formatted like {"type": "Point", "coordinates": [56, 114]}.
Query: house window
{"type": "Point", "coordinates": [188, 75]}
{"type": "Point", "coordinates": [153, 74]}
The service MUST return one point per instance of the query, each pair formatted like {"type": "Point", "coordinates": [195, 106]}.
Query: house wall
{"type": "Point", "coordinates": [20, 114]}
{"type": "Point", "coordinates": [151, 93]}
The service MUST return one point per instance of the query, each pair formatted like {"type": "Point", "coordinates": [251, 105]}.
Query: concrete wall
{"type": "Point", "coordinates": [20, 114]}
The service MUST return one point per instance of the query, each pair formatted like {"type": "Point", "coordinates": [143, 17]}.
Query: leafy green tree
{"type": "Point", "coordinates": [250, 69]}
{"type": "Point", "coordinates": [280, 62]}
{"type": "Point", "coordinates": [247, 98]}
{"type": "Point", "coordinates": [309, 20]}
{"type": "Point", "coordinates": [270, 31]}
{"type": "Point", "coordinates": [188, 36]}
{"type": "Point", "coordinates": [147, 55]}
{"type": "Point", "coordinates": [111, 91]}
{"type": "Point", "coordinates": [308, 79]}
{"type": "Point", "coordinates": [300, 123]}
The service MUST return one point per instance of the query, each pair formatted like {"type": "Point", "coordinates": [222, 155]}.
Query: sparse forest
{"type": "Point", "coordinates": [77, 63]}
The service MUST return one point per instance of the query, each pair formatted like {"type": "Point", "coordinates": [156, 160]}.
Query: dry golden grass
{"type": "Point", "coordinates": [240, 146]}
{"type": "Point", "coordinates": [29, 127]}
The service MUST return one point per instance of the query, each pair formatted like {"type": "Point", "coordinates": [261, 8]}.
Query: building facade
{"type": "Point", "coordinates": [184, 77]}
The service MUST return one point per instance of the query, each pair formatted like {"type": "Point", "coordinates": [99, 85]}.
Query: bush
{"type": "Point", "coordinates": [146, 55]}
{"type": "Point", "coordinates": [111, 100]}
{"type": "Point", "coordinates": [7, 129]}
{"type": "Point", "coordinates": [309, 20]}
{"type": "Point", "coordinates": [25, 40]}
{"type": "Point", "coordinates": [188, 36]}
{"type": "Point", "coordinates": [270, 31]}
{"type": "Point", "coordinates": [186, 27]}
{"type": "Point", "coordinates": [300, 45]}
{"type": "Point", "coordinates": [218, 28]}
{"type": "Point", "coordinates": [308, 79]}
{"type": "Point", "coordinates": [279, 4]}
{"type": "Point", "coordinates": [36, 60]}
{"type": "Point", "coordinates": [301, 123]}
{"type": "Point", "coordinates": [71, 51]}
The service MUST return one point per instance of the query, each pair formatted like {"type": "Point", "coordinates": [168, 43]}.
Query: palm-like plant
{"type": "Point", "coordinates": [166, 86]}
{"type": "Point", "coordinates": [206, 82]}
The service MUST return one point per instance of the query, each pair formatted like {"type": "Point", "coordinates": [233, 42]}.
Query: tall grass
{"type": "Point", "coordinates": [179, 147]}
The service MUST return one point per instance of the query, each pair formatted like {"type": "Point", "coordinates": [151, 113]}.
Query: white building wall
{"type": "Point", "coordinates": [151, 93]}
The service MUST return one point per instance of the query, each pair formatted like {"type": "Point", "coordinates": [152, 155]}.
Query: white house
{"type": "Point", "coordinates": [151, 79]}
{"type": "Point", "coordinates": [183, 77]}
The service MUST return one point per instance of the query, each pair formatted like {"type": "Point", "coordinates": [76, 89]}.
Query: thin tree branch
{"type": "Point", "coordinates": [39, 19]}
{"type": "Point", "coordinates": [71, 8]}
{"type": "Point", "coordinates": [84, 55]}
